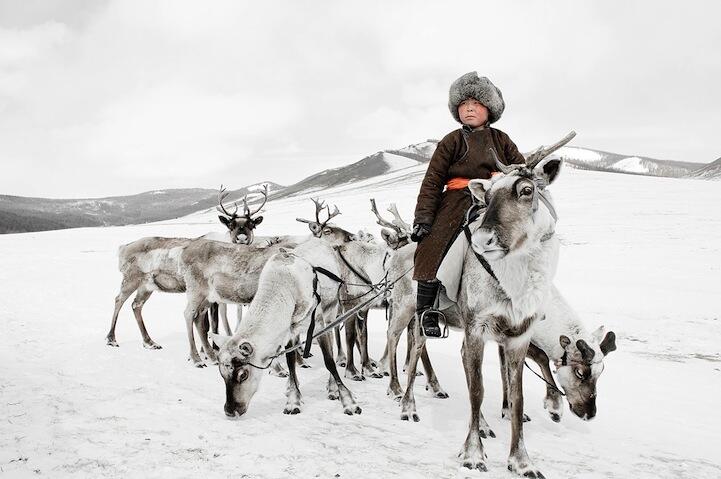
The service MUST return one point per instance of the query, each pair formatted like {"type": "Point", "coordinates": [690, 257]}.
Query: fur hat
{"type": "Point", "coordinates": [471, 85]}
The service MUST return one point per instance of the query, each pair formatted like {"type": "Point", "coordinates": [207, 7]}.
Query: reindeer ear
{"type": "Point", "coordinates": [218, 339]}
{"type": "Point", "coordinates": [478, 189]}
{"type": "Point", "coordinates": [565, 341]}
{"type": "Point", "coordinates": [246, 349]}
{"type": "Point", "coordinates": [587, 353]}
{"type": "Point", "coordinates": [258, 220]}
{"type": "Point", "coordinates": [609, 343]}
{"type": "Point", "coordinates": [315, 228]}
{"type": "Point", "coordinates": [547, 170]}
{"type": "Point", "coordinates": [390, 237]}
{"type": "Point", "coordinates": [225, 220]}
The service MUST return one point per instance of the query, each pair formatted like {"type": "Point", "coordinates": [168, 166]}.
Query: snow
{"type": "Point", "coordinates": [631, 164]}
{"type": "Point", "coordinates": [579, 154]}
{"type": "Point", "coordinates": [639, 254]}
{"type": "Point", "coordinates": [397, 162]}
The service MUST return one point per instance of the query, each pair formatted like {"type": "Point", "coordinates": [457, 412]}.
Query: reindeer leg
{"type": "Point", "coordinates": [213, 317]}
{"type": "Point", "coordinates": [518, 460]}
{"type": "Point", "coordinates": [409, 343]}
{"type": "Point", "coordinates": [472, 455]}
{"type": "Point", "coordinates": [346, 398]}
{"type": "Point", "coordinates": [293, 402]}
{"type": "Point", "coordinates": [553, 402]}
{"type": "Point", "coordinates": [192, 311]}
{"type": "Point", "coordinates": [432, 383]}
{"type": "Point", "coordinates": [408, 403]}
{"type": "Point", "coordinates": [505, 412]}
{"type": "Point", "coordinates": [240, 316]}
{"type": "Point", "coordinates": [203, 332]}
{"type": "Point", "coordinates": [223, 311]}
{"type": "Point", "coordinates": [396, 325]}
{"type": "Point", "coordinates": [126, 289]}
{"type": "Point", "coordinates": [340, 360]}
{"type": "Point", "coordinates": [368, 366]}
{"type": "Point", "coordinates": [350, 339]}
{"type": "Point", "coordinates": [140, 298]}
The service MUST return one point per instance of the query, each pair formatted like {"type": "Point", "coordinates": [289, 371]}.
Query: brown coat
{"type": "Point", "coordinates": [462, 153]}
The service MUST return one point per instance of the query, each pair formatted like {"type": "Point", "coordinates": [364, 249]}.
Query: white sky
{"type": "Point", "coordinates": [118, 97]}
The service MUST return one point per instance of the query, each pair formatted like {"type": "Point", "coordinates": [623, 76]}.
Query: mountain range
{"type": "Point", "coordinates": [23, 214]}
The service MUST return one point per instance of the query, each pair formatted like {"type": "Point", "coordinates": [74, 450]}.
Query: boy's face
{"type": "Point", "coordinates": [472, 112]}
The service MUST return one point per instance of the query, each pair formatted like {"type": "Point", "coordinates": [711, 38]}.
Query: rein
{"type": "Point", "coordinates": [543, 379]}
{"type": "Point", "coordinates": [339, 319]}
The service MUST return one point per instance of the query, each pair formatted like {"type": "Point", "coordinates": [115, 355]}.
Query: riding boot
{"type": "Point", "coordinates": [426, 297]}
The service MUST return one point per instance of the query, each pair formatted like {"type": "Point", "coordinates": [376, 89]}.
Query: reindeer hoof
{"type": "Point", "coordinates": [487, 432]}
{"type": "Point", "coordinates": [333, 396]}
{"type": "Point", "coordinates": [305, 366]}
{"type": "Point", "coordinates": [525, 471]}
{"type": "Point", "coordinates": [414, 416]}
{"type": "Point", "coordinates": [481, 466]}
{"type": "Point", "coordinates": [199, 364]}
{"type": "Point", "coordinates": [352, 410]}
{"type": "Point", "coordinates": [386, 373]}
{"type": "Point", "coordinates": [111, 342]}
{"type": "Point", "coordinates": [291, 410]}
{"type": "Point", "coordinates": [555, 417]}
{"type": "Point", "coordinates": [152, 345]}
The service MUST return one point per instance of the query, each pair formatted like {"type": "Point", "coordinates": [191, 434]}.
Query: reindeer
{"type": "Point", "coordinates": [152, 264]}
{"type": "Point", "coordinates": [277, 316]}
{"type": "Point", "coordinates": [505, 285]}
{"type": "Point", "coordinates": [561, 337]}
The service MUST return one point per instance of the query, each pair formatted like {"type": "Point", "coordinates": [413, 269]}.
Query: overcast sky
{"type": "Point", "coordinates": [102, 98]}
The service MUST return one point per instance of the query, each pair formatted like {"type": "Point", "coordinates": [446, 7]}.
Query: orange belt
{"type": "Point", "coordinates": [459, 183]}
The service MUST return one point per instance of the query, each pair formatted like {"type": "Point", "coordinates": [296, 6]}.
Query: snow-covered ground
{"type": "Point", "coordinates": [639, 254]}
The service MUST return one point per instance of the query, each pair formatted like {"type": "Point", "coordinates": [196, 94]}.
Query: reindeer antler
{"type": "Point", "coordinates": [222, 195]}
{"type": "Point", "coordinates": [542, 152]}
{"type": "Point", "coordinates": [319, 206]}
{"type": "Point", "coordinates": [400, 226]}
{"type": "Point", "coordinates": [247, 213]}
{"type": "Point", "coordinates": [392, 209]}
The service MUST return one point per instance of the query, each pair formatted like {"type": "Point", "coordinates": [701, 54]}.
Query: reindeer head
{"type": "Point", "coordinates": [579, 368]}
{"type": "Point", "coordinates": [323, 228]}
{"type": "Point", "coordinates": [513, 220]}
{"type": "Point", "coordinates": [241, 379]}
{"type": "Point", "coordinates": [396, 233]}
{"type": "Point", "coordinates": [240, 227]}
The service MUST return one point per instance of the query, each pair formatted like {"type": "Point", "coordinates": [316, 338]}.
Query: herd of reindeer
{"type": "Point", "coordinates": [287, 282]}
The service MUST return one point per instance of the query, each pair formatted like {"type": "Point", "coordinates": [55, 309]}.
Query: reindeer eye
{"type": "Point", "coordinates": [526, 191]}
{"type": "Point", "coordinates": [579, 374]}
{"type": "Point", "coordinates": [242, 375]}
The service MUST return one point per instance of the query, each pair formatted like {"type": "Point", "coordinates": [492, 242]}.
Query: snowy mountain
{"type": "Point", "coordinates": [638, 254]}
{"type": "Point", "coordinates": [712, 171]}
{"type": "Point", "coordinates": [19, 214]}
{"type": "Point", "coordinates": [597, 160]}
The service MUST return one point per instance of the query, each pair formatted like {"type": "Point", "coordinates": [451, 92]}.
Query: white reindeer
{"type": "Point", "coordinates": [278, 316]}
{"type": "Point", "coordinates": [501, 301]}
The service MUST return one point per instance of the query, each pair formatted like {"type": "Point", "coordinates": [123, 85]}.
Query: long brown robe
{"type": "Point", "coordinates": [463, 153]}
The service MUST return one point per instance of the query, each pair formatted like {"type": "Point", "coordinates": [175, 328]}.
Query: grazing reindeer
{"type": "Point", "coordinates": [278, 316]}
{"type": "Point", "coordinates": [560, 336]}
{"type": "Point", "coordinates": [505, 285]}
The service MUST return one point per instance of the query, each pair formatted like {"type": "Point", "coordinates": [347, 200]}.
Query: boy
{"type": "Point", "coordinates": [461, 155]}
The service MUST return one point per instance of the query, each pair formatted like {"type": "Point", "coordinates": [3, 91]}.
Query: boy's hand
{"type": "Point", "coordinates": [420, 231]}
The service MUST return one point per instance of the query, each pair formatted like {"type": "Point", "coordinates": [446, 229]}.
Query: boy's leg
{"type": "Point", "coordinates": [425, 298]}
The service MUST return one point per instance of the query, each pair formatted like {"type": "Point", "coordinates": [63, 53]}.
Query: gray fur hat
{"type": "Point", "coordinates": [471, 85]}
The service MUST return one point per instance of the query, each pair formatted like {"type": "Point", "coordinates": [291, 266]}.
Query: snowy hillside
{"type": "Point", "coordinates": [638, 254]}
{"type": "Point", "coordinates": [712, 171]}
{"type": "Point", "coordinates": [588, 159]}
{"type": "Point", "coordinates": [20, 214]}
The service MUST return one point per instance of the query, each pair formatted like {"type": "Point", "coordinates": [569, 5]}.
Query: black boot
{"type": "Point", "coordinates": [428, 317]}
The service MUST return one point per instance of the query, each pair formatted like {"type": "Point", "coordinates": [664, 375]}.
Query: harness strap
{"type": "Point", "coordinates": [479, 256]}
{"type": "Point", "coordinates": [544, 379]}
{"type": "Point", "coordinates": [311, 327]}
{"type": "Point", "coordinates": [350, 266]}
